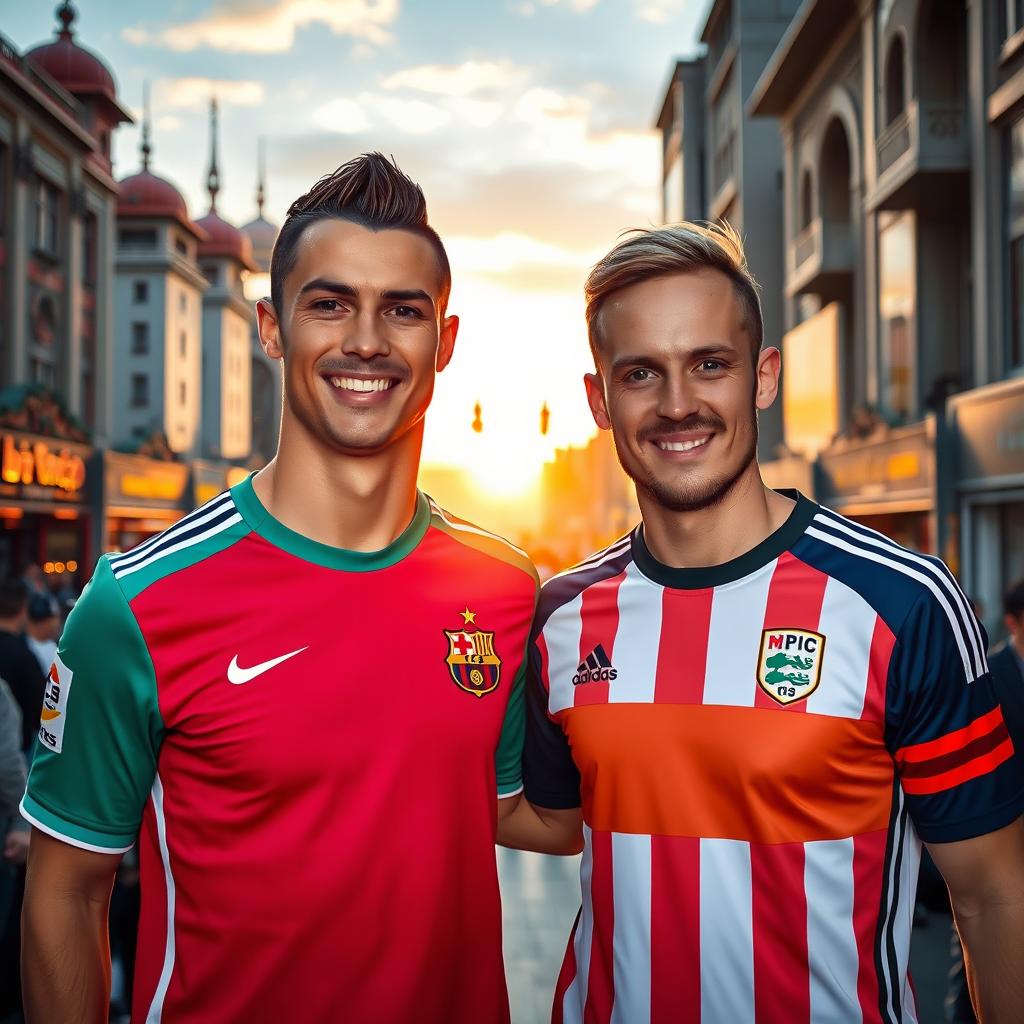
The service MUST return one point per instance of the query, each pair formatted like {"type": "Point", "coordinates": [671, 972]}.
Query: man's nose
{"type": "Point", "coordinates": [677, 398]}
{"type": "Point", "coordinates": [366, 338]}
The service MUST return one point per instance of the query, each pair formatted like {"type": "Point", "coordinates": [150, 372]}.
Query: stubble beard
{"type": "Point", "coordinates": [695, 497]}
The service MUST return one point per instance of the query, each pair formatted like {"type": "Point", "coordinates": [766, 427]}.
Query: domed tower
{"type": "Point", "coordinates": [84, 75]}
{"type": "Point", "coordinates": [266, 372]}
{"type": "Point", "coordinates": [158, 291]}
{"type": "Point", "coordinates": [225, 256]}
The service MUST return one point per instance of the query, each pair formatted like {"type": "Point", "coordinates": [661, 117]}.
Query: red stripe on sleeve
{"type": "Point", "coordinates": [795, 597]}
{"type": "Point", "coordinates": [599, 613]}
{"type": "Point", "coordinates": [683, 647]}
{"type": "Point", "coordinates": [601, 978]}
{"type": "Point", "coordinates": [955, 776]}
{"type": "Point", "coordinates": [883, 640]}
{"type": "Point", "coordinates": [675, 929]}
{"type": "Point", "coordinates": [952, 740]}
{"type": "Point", "coordinates": [868, 877]}
{"type": "Point", "coordinates": [782, 978]}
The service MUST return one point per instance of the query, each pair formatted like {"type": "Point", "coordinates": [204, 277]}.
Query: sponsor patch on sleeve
{"type": "Point", "coordinates": [55, 706]}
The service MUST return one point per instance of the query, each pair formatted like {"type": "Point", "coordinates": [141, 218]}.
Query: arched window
{"type": "Point", "coordinates": [895, 81]}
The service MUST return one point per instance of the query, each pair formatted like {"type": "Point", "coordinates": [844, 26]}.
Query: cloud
{"type": "Point", "coordinates": [194, 93]}
{"type": "Point", "coordinates": [658, 12]}
{"type": "Point", "coordinates": [466, 79]}
{"type": "Point", "coordinates": [527, 8]}
{"type": "Point", "coordinates": [370, 110]}
{"type": "Point", "coordinates": [259, 26]}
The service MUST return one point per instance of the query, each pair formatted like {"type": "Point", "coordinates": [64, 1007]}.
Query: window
{"type": "Point", "coordinates": [140, 292]}
{"type": "Point", "coordinates": [140, 390]}
{"type": "Point", "coordinates": [180, 246]}
{"type": "Point", "coordinates": [806, 201]}
{"type": "Point", "coordinates": [210, 272]}
{"type": "Point", "coordinates": [140, 338]}
{"type": "Point", "coordinates": [90, 241]}
{"type": "Point", "coordinates": [1015, 143]}
{"type": "Point", "coordinates": [182, 302]}
{"type": "Point", "coordinates": [897, 304]}
{"type": "Point", "coordinates": [183, 344]}
{"type": "Point", "coordinates": [181, 392]}
{"type": "Point", "coordinates": [47, 227]}
{"type": "Point", "coordinates": [895, 81]}
{"type": "Point", "coordinates": [143, 238]}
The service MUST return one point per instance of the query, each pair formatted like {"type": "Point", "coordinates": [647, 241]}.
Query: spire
{"type": "Point", "coordinates": [213, 179]}
{"type": "Point", "coordinates": [66, 15]}
{"type": "Point", "coordinates": [146, 149]}
{"type": "Point", "coordinates": [262, 163]}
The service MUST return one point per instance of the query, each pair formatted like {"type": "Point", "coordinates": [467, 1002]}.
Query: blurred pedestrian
{"type": "Point", "coordinates": [42, 629]}
{"type": "Point", "coordinates": [18, 665]}
{"type": "Point", "coordinates": [13, 850]}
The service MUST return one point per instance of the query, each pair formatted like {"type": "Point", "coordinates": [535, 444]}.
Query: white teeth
{"type": "Point", "coordinates": [682, 446]}
{"type": "Point", "coordinates": [359, 384]}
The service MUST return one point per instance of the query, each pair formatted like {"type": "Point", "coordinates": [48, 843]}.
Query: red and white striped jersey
{"type": "Point", "coordinates": [758, 749]}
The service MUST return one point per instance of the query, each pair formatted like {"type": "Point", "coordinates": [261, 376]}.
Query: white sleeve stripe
{"type": "Point", "coordinates": [180, 546]}
{"type": "Point", "coordinates": [439, 512]}
{"type": "Point", "coordinates": [70, 840]}
{"type": "Point", "coordinates": [938, 570]}
{"type": "Point", "coordinates": [950, 587]}
{"type": "Point", "coordinates": [928, 581]}
{"type": "Point", "coordinates": [595, 560]}
{"type": "Point", "coordinates": [201, 514]}
{"type": "Point", "coordinates": [511, 792]}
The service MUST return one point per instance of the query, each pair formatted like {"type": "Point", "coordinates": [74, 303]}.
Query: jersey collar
{"type": "Point", "coordinates": [259, 519]}
{"type": "Point", "coordinates": [735, 569]}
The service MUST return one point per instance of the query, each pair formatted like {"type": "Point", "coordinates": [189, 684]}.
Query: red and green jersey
{"type": "Point", "coordinates": [307, 743]}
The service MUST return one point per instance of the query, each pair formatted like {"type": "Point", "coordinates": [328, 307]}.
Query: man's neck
{"type": "Point", "coordinates": [359, 503]}
{"type": "Point", "coordinates": [748, 514]}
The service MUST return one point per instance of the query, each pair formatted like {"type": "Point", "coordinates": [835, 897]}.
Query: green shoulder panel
{"type": "Point", "coordinates": [480, 540]}
{"type": "Point", "coordinates": [509, 756]}
{"type": "Point", "coordinates": [101, 727]}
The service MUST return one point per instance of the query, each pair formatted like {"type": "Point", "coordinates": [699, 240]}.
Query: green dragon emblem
{"type": "Point", "coordinates": [797, 666]}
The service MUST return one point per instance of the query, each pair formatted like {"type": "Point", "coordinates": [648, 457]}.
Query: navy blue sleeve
{"type": "Point", "coordinates": [550, 776]}
{"type": "Point", "coordinates": [944, 726]}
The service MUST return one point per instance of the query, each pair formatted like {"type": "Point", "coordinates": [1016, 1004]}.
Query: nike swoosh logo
{"type": "Point", "coordinates": [239, 675]}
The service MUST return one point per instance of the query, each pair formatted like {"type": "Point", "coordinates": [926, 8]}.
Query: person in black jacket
{"type": "Point", "coordinates": [18, 665]}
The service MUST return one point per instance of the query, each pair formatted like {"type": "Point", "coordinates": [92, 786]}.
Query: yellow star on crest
{"type": "Point", "coordinates": [468, 616]}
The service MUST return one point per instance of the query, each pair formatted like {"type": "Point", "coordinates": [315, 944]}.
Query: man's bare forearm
{"type": "Point", "coordinates": [65, 952]}
{"type": "Point", "coordinates": [522, 826]}
{"type": "Point", "coordinates": [993, 941]}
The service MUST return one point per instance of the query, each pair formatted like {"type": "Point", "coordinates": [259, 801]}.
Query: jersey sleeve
{"type": "Point", "coordinates": [944, 726]}
{"type": "Point", "coordinates": [101, 728]}
{"type": "Point", "coordinates": [509, 757]}
{"type": "Point", "coordinates": [550, 776]}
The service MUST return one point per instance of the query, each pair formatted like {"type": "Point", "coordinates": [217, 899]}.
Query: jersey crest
{"type": "Point", "coordinates": [789, 663]}
{"type": "Point", "coordinates": [472, 660]}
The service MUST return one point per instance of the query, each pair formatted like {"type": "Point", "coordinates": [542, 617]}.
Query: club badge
{"type": "Point", "coordinates": [789, 664]}
{"type": "Point", "coordinates": [472, 661]}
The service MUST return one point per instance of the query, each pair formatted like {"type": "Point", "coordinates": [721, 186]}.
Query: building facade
{"type": "Point", "coordinates": [58, 111]}
{"type": "Point", "coordinates": [719, 163]}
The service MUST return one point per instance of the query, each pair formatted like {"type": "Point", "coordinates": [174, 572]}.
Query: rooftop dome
{"type": "Point", "coordinates": [146, 195]}
{"type": "Point", "coordinates": [224, 240]}
{"type": "Point", "coordinates": [74, 67]}
{"type": "Point", "coordinates": [262, 234]}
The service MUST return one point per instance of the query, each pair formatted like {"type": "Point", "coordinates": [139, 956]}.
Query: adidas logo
{"type": "Point", "coordinates": [595, 668]}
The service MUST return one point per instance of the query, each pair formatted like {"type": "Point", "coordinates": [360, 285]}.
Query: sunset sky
{"type": "Point", "coordinates": [527, 122]}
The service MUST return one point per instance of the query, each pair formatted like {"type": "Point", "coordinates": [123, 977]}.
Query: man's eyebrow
{"type": "Point", "coordinates": [407, 295]}
{"type": "Point", "coordinates": [650, 362]}
{"type": "Point", "coordinates": [322, 284]}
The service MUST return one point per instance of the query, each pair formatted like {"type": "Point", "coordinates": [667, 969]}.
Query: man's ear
{"type": "Point", "coordinates": [769, 366]}
{"type": "Point", "coordinates": [446, 341]}
{"type": "Point", "coordinates": [594, 383]}
{"type": "Point", "coordinates": [270, 329]}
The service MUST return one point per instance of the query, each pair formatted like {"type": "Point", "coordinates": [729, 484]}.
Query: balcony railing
{"type": "Point", "coordinates": [820, 256]}
{"type": "Point", "coordinates": [895, 140]}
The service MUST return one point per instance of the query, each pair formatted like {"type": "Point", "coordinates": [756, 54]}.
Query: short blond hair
{"type": "Point", "coordinates": [646, 253]}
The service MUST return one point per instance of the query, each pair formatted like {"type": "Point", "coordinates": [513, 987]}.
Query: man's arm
{"type": "Point", "coordinates": [985, 876]}
{"type": "Point", "coordinates": [524, 826]}
{"type": "Point", "coordinates": [65, 963]}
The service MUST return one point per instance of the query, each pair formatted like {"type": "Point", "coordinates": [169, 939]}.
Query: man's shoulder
{"type": "Point", "coordinates": [563, 588]}
{"type": "Point", "coordinates": [481, 541]}
{"type": "Point", "coordinates": [1004, 659]}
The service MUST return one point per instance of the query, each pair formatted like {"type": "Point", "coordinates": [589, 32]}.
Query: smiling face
{"type": "Point", "coordinates": [679, 387]}
{"type": "Point", "coordinates": [360, 334]}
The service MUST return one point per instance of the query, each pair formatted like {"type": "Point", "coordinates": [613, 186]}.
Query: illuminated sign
{"type": "Point", "coordinates": [34, 462]}
{"type": "Point", "coordinates": [811, 396]}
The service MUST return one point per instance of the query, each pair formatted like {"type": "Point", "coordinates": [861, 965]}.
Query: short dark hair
{"type": "Point", "coordinates": [13, 598]}
{"type": "Point", "coordinates": [644, 254]}
{"type": "Point", "coordinates": [1013, 599]}
{"type": "Point", "coordinates": [369, 190]}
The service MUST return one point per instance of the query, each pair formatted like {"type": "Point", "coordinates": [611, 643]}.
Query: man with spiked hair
{"type": "Point", "coordinates": [759, 709]}
{"type": "Point", "coordinates": [304, 698]}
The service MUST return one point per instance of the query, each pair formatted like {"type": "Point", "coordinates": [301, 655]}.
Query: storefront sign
{"type": "Point", "coordinates": [29, 462]}
{"type": "Point", "coordinates": [137, 480]}
{"type": "Point", "coordinates": [901, 462]}
{"type": "Point", "coordinates": [990, 434]}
